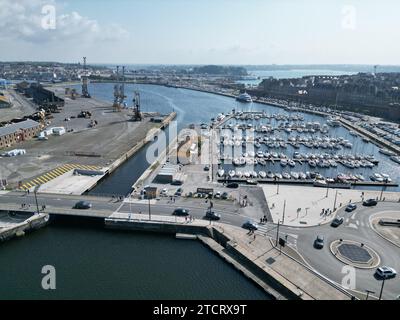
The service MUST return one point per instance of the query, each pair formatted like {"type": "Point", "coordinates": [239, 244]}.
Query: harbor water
{"type": "Point", "coordinates": [94, 263]}
{"type": "Point", "coordinates": [199, 107]}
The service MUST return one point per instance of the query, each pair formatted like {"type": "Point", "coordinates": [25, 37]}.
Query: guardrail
{"type": "Point", "coordinates": [316, 273]}
{"type": "Point", "coordinates": [390, 222]}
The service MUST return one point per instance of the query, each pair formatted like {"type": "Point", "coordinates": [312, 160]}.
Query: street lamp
{"type": "Point", "coordinates": [277, 186]}
{"type": "Point", "coordinates": [368, 293]}
{"type": "Point", "coordinates": [35, 193]}
{"type": "Point", "coordinates": [334, 204]}
{"type": "Point", "coordinates": [383, 188]}
{"type": "Point", "coordinates": [277, 234]}
{"type": "Point", "coordinates": [149, 208]}
{"type": "Point", "coordinates": [284, 209]}
{"type": "Point", "coordinates": [383, 284]}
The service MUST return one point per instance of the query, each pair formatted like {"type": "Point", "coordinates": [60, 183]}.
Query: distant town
{"type": "Point", "coordinates": [373, 93]}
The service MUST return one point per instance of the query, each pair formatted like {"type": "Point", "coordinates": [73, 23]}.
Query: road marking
{"type": "Point", "coordinates": [357, 222]}
{"type": "Point", "coordinates": [347, 220]}
{"type": "Point", "coordinates": [352, 225]}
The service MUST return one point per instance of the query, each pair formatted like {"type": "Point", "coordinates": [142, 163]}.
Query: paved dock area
{"type": "Point", "coordinates": [304, 205]}
{"type": "Point", "coordinates": [112, 137]}
{"type": "Point", "coordinates": [68, 183]}
{"type": "Point", "coordinates": [20, 108]}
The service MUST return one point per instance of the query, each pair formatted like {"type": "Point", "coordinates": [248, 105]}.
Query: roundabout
{"type": "Point", "coordinates": [355, 254]}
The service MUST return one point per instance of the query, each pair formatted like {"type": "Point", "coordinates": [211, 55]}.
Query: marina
{"type": "Point", "coordinates": [272, 147]}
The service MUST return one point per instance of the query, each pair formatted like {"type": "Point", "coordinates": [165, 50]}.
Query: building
{"type": "Point", "coordinates": [168, 173]}
{"type": "Point", "coordinates": [4, 102]}
{"type": "Point", "coordinates": [18, 132]}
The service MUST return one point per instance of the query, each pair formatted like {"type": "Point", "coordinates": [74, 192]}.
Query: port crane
{"type": "Point", "coordinates": [85, 90]}
{"type": "Point", "coordinates": [119, 91]}
{"type": "Point", "coordinates": [137, 115]}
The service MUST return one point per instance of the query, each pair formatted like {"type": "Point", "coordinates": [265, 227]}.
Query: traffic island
{"type": "Point", "coordinates": [355, 254]}
{"type": "Point", "coordinates": [386, 224]}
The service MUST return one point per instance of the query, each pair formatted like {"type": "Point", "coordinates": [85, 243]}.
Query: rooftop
{"type": "Point", "coordinates": [27, 124]}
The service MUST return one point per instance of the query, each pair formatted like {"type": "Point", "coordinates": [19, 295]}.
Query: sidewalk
{"type": "Point", "coordinates": [284, 269]}
{"type": "Point", "coordinates": [304, 205]}
{"type": "Point", "coordinates": [156, 218]}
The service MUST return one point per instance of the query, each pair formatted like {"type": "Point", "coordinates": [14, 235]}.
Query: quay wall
{"type": "Point", "coordinates": [124, 157]}
{"type": "Point", "coordinates": [33, 223]}
{"type": "Point", "coordinates": [223, 244]}
{"type": "Point", "coordinates": [141, 144]}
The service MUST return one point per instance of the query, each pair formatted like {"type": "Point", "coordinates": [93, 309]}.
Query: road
{"type": "Point", "coordinates": [356, 227]}
{"type": "Point", "coordinates": [105, 206]}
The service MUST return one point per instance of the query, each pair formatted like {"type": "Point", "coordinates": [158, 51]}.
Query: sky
{"type": "Point", "coordinates": [253, 32]}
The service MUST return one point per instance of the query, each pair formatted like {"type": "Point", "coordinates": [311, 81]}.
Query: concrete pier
{"type": "Point", "coordinates": [19, 229]}
{"type": "Point", "coordinates": [281, 276]}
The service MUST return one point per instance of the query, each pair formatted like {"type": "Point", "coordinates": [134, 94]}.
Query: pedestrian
{"type": "Point", "coordinates": [254, 236]}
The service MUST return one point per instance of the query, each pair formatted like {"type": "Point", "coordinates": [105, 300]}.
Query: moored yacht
{"type": "Point", "coordinates": [244, 97]}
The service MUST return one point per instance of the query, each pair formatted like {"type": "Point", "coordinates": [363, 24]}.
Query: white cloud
{"type": "Point", "coordinates": [22, 21]}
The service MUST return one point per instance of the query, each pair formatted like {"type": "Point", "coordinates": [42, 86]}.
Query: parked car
{"type": "Point", "coordinates": [164, 192]}
{"type": "Point", "coordinates": [176, 183]}
{"type": "Point", "coordinates": [337, 222]}
{"type": "Point", "coordinates": [178, 192]}
{"type": "Point", "coordinates": [385, 272]}
{"type": "Point", "coordinates": [232, 185]}
{"type": "Point", "coordinates": [249, 225]}
{"type": "Point", "coordinates": [351, 207]}
{"type": "Point", "coordinates": [370, 203]}
{"type": "Point", "coordinates": [224, 196]}
{"type": "Point", "coordinates": [252, 182]}
{"type": "Point", "coordinates": [181, 212]}
{"type": "Point", "coordinates": [217, 195]}
{"type": "Point", "coordinates": [82, 205]}
{"type": "Point", "coordinates": [207, 168]}
{"type": "Point", "coordinates": [319, 242]}
{"type": "Point", "coordinates": [211, 215]}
